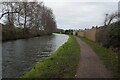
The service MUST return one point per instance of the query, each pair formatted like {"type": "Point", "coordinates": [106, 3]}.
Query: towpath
{"type": "Point", "coordinates": [90, 66]}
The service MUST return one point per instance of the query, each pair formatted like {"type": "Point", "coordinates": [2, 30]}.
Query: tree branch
{"type": "Point", "coordinates": [7, 13]}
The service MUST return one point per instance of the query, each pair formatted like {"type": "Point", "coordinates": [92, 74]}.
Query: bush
{"type": "Point", "coordinates": [114, 35]}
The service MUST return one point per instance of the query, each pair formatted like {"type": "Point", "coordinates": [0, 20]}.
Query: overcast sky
{"type": "Point", "coordinates": [77, 14]}
{"type": "Point", "coordinates": [80, 14]}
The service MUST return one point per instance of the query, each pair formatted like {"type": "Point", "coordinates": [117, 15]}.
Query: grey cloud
{"type": "Point", "coordinates": [80, 15]}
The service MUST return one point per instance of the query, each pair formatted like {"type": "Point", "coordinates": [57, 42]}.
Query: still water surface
{"type": "Point", "coordinates": [21, 55]}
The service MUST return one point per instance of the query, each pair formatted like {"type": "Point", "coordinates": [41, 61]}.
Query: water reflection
{"type": "Point", "coordinates": [19, 56]}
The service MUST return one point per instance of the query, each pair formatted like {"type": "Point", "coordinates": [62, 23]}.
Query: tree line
{"type": "Point", "coordinates": [30, 16]}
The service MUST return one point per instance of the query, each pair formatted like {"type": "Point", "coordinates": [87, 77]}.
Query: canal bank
{"type": "Point", "coordinates": [61, 64]}
{"type": "Point", "coordinates": [18, 33]}
{"type": "Point", "coordinates": [19, 56]}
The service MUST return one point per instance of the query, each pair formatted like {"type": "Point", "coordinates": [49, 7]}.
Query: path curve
{"type": "Point", "coordinates": [90, 66]}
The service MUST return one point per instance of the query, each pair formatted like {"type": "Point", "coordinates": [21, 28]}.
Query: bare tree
{"type": "Point", "coordinates": [110, 17]}
{"type": "Point", "coordinates": [34, 14]}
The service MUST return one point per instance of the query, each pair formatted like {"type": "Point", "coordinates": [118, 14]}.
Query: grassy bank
{"type": "Point", "coordinates": [61, 64]}
{"type": "Point", "coordinates": [109, 58]}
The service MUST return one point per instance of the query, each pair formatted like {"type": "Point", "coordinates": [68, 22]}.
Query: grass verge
{"type": "Point", "coordinates": [61, 64]}
{"type": "Point", "coordinates": [109, 58]}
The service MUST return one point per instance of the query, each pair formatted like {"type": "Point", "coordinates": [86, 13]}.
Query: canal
{"type": "Point", "coordinates": [20, 56]}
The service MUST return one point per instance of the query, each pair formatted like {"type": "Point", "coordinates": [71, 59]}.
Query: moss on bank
{"type": "Point", "coordinates": [109, 58]}
{"type": "Point", "coordinates": [61, 64]}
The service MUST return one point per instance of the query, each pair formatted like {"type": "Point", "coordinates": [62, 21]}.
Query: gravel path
{"type": "Point", "coordinates": [90, 66]}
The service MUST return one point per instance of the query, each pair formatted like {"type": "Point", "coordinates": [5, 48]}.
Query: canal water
{"type": "Point", "coordinates": [20, 56]}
